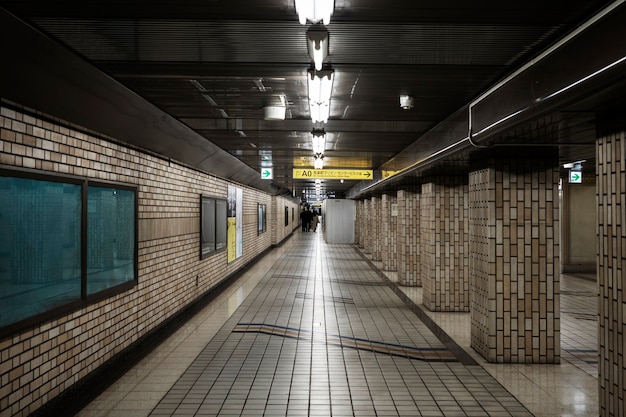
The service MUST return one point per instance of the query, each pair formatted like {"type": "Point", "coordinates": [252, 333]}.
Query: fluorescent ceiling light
{"type": "Point", "coordinates": [315, 10]}
{"type": "Point", "coordinates": [318, 162]}
{"type": "Point", "coordinates": [317, 40]}
{"type": "Point", "coordinates": [319, 142]}
{"type": "Point", "coordinates": [320, 88]}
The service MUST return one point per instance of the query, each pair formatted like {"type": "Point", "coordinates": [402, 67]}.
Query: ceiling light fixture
{"type": "Point", "coordinates": [406, 102]}
{"type": "Point", "coordinates": [319, 141]}
{"type": "Point", "coordinates": [315, 10]}
{"type": "Point", "coordinates": [274, 113]}
{"type": "Point", "coordinates": [320, 88]}
{"type": "Point", "coordinates": [318, 161]}
{"type": "Point", "coordinates": [317, 40]}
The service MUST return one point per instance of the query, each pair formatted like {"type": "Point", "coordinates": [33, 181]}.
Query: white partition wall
{"type": "Point", "coordinates": [338, 220]}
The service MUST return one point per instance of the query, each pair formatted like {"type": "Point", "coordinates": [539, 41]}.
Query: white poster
{"type": "Point", "coordinates": [239, 223]}
{"type": "Point", "coordinates": [235, 223]}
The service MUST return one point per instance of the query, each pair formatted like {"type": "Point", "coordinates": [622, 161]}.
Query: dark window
{"type": "Point", "coordinates": [63, 240]}
{"type": "Point", "coordinates": [262, 219]}
{"type": "Point", "coordinates": [213, 225]}
{"type": "Point", "coordinates": [110, 238]}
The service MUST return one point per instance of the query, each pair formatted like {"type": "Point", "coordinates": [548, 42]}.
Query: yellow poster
{"type": "Point", "coordinates": [232, 238]}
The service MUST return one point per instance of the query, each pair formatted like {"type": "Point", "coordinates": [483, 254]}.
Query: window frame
{"type": "Point", "coordinates": [262, 219]}
{"type": "Point", "coordinates": [203, 253]}
{"type": "Point", "coordinates": [84, 300]}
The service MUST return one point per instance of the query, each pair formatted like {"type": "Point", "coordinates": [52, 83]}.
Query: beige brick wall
{"type": "Point", "coordinates": [38, 364]}
{"type": "Point", "coordinates": [514, 259]}
{"type": "Point", "coordinates": [611, 188]}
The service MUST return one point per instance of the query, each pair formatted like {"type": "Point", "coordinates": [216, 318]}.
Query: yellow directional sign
{"type": "Point", "coordinates": [387, 174]}
{"type": "Point", "coordinates": [333, 174]}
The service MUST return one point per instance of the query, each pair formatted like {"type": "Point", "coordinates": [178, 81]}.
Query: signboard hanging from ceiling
{"type": "Point", "coordinates": [267, 173]}
{"type": "Point", "coordinates": [575, 177]}
{"type": "Point", "coordinates": [334, 174]}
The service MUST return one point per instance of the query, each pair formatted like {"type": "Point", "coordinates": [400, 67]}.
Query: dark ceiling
{"type": "Point", "coordinates": [214, 64]}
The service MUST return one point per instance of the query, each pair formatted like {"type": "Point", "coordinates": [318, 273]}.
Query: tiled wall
{"type": "Point", "coordinates": [367, 229]}
{"type": "Point", "coordinates": [38, 364]}
{"type": "Point", "coordinates": [358, 229]}
{"type": "Point", "coordinates": [611, 186]}
{"type": "Point", "coordinates": [444, 245]}
{"type": "Point", "coordinates": [389, 213]}
{"type": "Point", "coordinates": [376, 226]}
{"type": "Point", "coordinates": [409, 238]}
{"type": "Point", "coordinates": [514, 267]}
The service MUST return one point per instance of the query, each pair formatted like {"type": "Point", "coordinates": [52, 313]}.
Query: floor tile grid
{"type": "Point", "coordinates": [356, 384]}
{"type": "Point", "coordinates": [579, 323]}
{"type": "Point", "coordinates": [569, 389]}
{"type": "Point", "coordinates": [524, 380]}
{"type": "Point", "coordinates": [375, 372]}
{"type": "Point", "coordinates": [212, 376]}
{"type": "Point", "coordinates": [438, 407]}
{"type": "Point", "coordinates": [259, 374]}
{"type": "Point", "coordinates": [140, 389]}
{"type": "Point", "coordinates": [390, 320]}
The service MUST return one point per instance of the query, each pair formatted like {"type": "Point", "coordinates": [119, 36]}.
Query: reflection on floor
{"type": "Point", "coordinates": [325, 335]}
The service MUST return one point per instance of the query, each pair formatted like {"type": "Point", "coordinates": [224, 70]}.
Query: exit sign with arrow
{"type": "Point", "coordinates": [575, 177]}
{"type": "Point", "coordinates": [267, 173]}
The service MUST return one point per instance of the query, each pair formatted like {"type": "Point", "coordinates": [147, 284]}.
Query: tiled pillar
{"type": "Point", "coordinates": [514, 258]}
{"type": "Point", "coordinates": [367, 226]}
{"type": "Point", "coordinates": [444, 227]}
{"type": "Point", "coordinates": [358, 230]}
{"type": "Point", "coordinates": [376, 229]}
{"type": "Point", "coordinates": [611, 186]}
{"type": "Point", "coordinates": [389, 212]}
{"type": "Point", "coordinates": [409, 238]}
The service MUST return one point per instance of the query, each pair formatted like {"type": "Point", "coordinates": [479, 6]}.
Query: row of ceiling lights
{"type": "Point", "coordinates": [320, 79]}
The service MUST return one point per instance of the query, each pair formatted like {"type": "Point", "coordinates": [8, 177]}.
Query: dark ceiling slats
{"type": "Point", "coordinates": [215, 64]}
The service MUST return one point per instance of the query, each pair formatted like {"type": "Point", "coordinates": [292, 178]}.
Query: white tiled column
{"type": "Point", "coordinates": [376, 228]}
{"type": "Point", "coordinates": [611, 186]}
{"type": "Point", "coordinates": [409, 238]}
{"type": "Point", "coordinates": [443, 229]}
{"type": "Point", "coordinates": [367, 226]}
{"type": "Point", "coordinates": [514, 258]}
{"type": "Point", "coordinates": [389, 212]}
{"type": "Point", "coordinates": [358, 229]}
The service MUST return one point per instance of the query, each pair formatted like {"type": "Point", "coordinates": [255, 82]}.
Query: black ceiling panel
{"type": "Point", "coordinates": [214, 65]}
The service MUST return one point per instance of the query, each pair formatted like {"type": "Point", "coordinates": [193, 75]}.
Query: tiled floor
{"type": "Point", "coordinates": [314, 330]}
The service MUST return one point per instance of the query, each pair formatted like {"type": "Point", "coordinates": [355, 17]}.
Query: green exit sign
{"type": "Point", "coordinates": [267, 173]}
{"type": "Point", "coordinates": [575, 177]}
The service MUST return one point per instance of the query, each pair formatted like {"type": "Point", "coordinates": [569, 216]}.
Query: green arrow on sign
{"type": "Point", "coordinates": [266, 174]}
{"type": "Point", "coordinates": [575, 177]}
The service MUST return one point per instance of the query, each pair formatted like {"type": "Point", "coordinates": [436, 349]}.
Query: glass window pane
{"type": "Point", "coordinates": [221, 224]}
{"type": "Point", "coordinates": [261, 218]}
{"type": "Point", "coordinates": [264, 217]}
{"type": "Point", "coordinates": [110, 238]}
{"type": "Point", "coordinates": [40, 247]}
{"type": "Point", "coordinates": [208, 226]}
